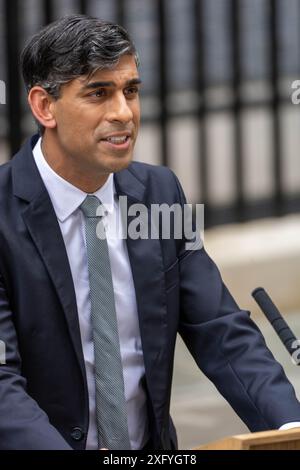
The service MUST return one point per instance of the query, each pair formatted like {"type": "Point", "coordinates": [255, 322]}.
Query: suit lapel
{"type": "Point", "coordinates": [42, 224]}
{"type": "Point", "coordinates": [45, 232]}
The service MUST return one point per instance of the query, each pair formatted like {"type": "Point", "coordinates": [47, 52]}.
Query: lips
{"type": "Point", "coordinates": [117, 136]}
{"type": "Point", "coordinates": [116, 140]}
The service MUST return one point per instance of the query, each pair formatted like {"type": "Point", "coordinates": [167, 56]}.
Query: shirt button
{"type": "Point", "coordinates": [77, 434]}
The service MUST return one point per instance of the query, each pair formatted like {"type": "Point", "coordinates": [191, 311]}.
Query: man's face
{"type": "Point", "coordinates": [97, 121]}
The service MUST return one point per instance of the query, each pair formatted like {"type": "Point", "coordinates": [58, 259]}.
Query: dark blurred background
{"type": "Point", "coordinates": [217, 109]}
{"type": "Point", "coordinates": [216, 99]}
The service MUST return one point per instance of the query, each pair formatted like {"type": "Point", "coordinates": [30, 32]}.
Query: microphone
{"type": "Point", "coordinates": [275, 318]}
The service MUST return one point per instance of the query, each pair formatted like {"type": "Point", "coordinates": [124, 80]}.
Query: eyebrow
{"type": "Point", "coordinates": [103, 84]}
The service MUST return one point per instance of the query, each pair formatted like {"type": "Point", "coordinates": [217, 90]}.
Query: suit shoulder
{"type": "Point", "coordinates": [145, 172]}
{"type": "Point", "coordinates": [160, 182]}
{"type": "Point", "coordinates": [5, 175]}
{"type": "Point", "coordinates": [6, 193]}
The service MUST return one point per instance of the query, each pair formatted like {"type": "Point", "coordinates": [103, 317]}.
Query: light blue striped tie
{"type": "Point", "coordinates": [110, 397]}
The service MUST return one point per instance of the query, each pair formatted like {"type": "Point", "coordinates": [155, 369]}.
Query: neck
{"type": "Point", "coordinates": [65, 166]}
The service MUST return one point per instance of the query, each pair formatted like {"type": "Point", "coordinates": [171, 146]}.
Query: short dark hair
{"type": "Point", "coordinates": [70, 47]}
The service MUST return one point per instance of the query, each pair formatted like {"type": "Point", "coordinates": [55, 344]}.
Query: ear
{"type": "Point", "coordinates": [41, 104]}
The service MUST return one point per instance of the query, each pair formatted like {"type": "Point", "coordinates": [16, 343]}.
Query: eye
{"type": "Point", "coordinates": [131, 91]}
{"type": "Point", "coordinates": [99, 93]}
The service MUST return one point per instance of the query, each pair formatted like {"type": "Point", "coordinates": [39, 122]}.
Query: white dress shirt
{"type": "Point", "coordinates": [286, 426]}
{"type": "Point", "coordinates": [66, 200]}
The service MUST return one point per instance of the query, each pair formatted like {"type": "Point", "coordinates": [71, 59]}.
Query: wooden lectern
{"type": "Point", "coordinates": [266, 440]}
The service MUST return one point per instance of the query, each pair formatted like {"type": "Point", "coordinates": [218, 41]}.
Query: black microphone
{"type": "Point", "coordinates": [275, 318]}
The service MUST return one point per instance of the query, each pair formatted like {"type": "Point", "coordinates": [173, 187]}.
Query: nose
{"type": "Point", "coordinates": [119, 109]}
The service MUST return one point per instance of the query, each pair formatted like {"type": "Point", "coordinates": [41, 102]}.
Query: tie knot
{"type": "Point", "coordinates": [92, 207]}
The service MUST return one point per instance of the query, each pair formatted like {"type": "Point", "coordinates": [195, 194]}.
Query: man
{"type": "Point", "coordinates": [89, 322]}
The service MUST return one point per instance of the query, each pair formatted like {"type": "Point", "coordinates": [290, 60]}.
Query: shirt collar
{"type": "Point", "coordinates": [65, 197]}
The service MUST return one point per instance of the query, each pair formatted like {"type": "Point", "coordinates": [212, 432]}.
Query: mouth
{"type": "Point", "coordinates": [117, 142]}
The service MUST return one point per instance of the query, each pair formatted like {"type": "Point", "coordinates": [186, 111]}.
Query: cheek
{"type": "Point", "coordinates": [69, 115]}
{"type": "Point", "coordinates": [136, 115]}
{"type": "Point", "coordinates": [74, 125]}
{"type": "Point", "coordinates": [137, 112]}
{"type": "Point", "coordinates": [77, 125]}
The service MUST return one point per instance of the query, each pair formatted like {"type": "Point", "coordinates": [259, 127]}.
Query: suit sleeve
{"type": "Point", "coordinates": [229, 348]}
{"type": "Point", "coordinates": [23, 424]}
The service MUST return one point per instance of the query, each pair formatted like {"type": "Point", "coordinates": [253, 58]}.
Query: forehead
{"type": "Point", "coordinates": [125, 70]}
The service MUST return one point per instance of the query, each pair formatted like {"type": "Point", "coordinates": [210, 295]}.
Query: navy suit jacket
{"type": "Point", "coordinates": [43, 390]}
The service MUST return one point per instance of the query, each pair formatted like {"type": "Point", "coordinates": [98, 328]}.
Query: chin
{"type": "Point", "coordinates": [120, 164]}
